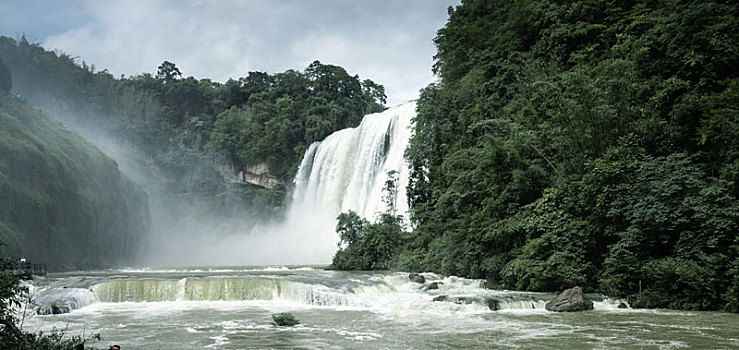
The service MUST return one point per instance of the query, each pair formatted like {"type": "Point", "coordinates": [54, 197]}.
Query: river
{"type": "Point", "coordinates": [232, 308]}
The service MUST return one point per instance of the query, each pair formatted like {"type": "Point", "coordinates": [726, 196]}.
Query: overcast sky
{"type": "Point", "coordinates": [388, 41]}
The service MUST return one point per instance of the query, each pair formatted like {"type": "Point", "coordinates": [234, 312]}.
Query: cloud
{"type": "Point", "coordinates": [389, 42]}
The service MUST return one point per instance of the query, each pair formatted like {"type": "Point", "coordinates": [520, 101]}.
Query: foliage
{"type": "Point", "coordinates": [370, 246]}
{"type": "Point", "coordinates": [12, 296]}
{"type": "Point", "coordinates": [6, 80]}
{"type": "Point", "coordinates": [285, 319]}
{"type": "Point", "coordinates": [64, 203]}
{"type": "Point", "coordinates": [582, 143]}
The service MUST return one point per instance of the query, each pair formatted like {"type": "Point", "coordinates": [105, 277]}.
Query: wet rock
{"type": "Point", "coordinates": [622, 305]}
{"type": "Point", "coordinates": [414, 277]}
{"type": "Point", "coordinates": [493, 304]}
{"type": "Point", "coordinates": [432, 286]}
{"type": "Point", "coordinates": [490, 284]}
{"type": "Point", "coordinates": [440, 298]}
{"type": "Point", "coordinates": [53, 309]}
{"type": "Point", "coordinates": [461, 300]}
{"type": "Point", "coordinates": [572, 299]}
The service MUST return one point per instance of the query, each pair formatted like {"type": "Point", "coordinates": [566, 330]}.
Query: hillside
{"type": "Point", "coordinates": [580, 143]}
{"type": "Point", "coordinates": [64, 203]}
{"type": "Point", "coordinates": [584, 143]}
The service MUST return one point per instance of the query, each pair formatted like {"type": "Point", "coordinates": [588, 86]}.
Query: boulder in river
{"type": "Point", "coordinates": [490, 284]}
{"type": "Point", "coordinates": [432, 286]}
{"type": "Point", "coordinates": [417, 278]}
{"type": "Point", "coordinates": [493, 304]}
{"type": "Point", "coordinates": [440, 298]}
{"type": "Point", "coordinates": [572, 299]}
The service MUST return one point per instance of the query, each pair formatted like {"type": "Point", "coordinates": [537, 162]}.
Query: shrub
{"type": "Point", "coordinates": [285, 319]}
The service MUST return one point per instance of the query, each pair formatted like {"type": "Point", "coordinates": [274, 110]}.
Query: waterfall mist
{"type": "Point", "coordinates": [183, 223]}
{"type": "Point", "coordinates": [346, 171]}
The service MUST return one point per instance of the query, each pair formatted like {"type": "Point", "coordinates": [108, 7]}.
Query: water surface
{"type": "Point", "coordinates": [231, 308]}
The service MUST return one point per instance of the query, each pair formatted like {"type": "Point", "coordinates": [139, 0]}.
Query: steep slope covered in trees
{"type": "Point", "coordinates": [589, 143]}
{"type": "Point", "coordinates": [62, 201]}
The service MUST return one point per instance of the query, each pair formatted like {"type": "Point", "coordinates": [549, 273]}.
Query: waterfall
{"type": "Point", "coordinates": [215, 289]}
{"type": "Point", "coordinates": [345, 171]}
{"type": "Point", "coordinates": [348, 170]}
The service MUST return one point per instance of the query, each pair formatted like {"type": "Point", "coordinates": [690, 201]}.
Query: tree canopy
{"type": "Point", "coordinates": [589, 143]}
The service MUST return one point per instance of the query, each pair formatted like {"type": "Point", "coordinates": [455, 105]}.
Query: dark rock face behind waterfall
{"type": "Point", "coordinates": [62, 201]}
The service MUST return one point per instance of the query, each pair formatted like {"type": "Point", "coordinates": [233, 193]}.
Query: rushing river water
{"type": "Point", "coordinates": [231, 308]}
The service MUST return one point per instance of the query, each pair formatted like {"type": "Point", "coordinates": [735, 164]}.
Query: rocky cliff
{"type": "Point", "coordinates": [259, 175]}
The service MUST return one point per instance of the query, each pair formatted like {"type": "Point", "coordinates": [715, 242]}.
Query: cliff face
{"type": "Point", "coordinates": [62, 201]}
{"type": "Point", "coordinates": [259, 175]}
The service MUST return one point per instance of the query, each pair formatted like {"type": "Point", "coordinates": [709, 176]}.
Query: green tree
{"type": "Point", "coordinates": [390, 192]}
{"type": "Point", "coordinates": [6, 80]}
{"type": "Point", "coordinates": [168, 72]}
{"type": "Point", "coordinates": [350, 227]}
{"type": "Point", "coordinates": [229, 134]}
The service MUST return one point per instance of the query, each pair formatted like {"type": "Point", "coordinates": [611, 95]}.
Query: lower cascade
{"type": "Point", "coordinates": [216, 289]}
{"type": "Point", "coordinates": [235, 307]}
{"type": "Point", "coordinates": [391, 293]}
{"type": "Point", "coordinates": [54, 301]}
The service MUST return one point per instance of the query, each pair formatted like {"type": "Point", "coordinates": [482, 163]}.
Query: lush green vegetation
{"type": "Point", "coordinates": [12, 299]}
{"type": "Point", "coordinates": [180, 127]}
{"type": "Point", "coordinates": [64, 203]}
{"type": "Point", "coordinates": [6, 81]}
{"type": "Point", "coordinates": [590, 143]}
{"type": "Point", "coordinates": [365, 245]}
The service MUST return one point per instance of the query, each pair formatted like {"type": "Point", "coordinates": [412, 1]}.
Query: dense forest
{"type": "Point", "coordinates": [183, 129]}
{"type": "Point", "coordinates": [63, 202]}
{"type": "Point", "coordinates": [588, 143]}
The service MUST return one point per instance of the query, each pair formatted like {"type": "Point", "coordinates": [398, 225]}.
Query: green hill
{"type": "Point", "coordinates": [62, 201]}
{"type": "Point", "coordinates": [584, 143]}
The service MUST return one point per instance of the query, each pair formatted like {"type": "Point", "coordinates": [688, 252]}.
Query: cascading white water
{"type": "Point", "coordinates": [61, 300]}
{"type": "Point", "coordinates": [391, 293]}
{"type": "Point", "coordinates": [345, 171]}
{"type": "Point", "coordinates": [348, 170]}
{"type": "Point", "coordinates": [215, 289]}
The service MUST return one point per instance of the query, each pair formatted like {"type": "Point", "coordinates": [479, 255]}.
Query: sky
{"type": "Point", "coordinates": [388, 41]}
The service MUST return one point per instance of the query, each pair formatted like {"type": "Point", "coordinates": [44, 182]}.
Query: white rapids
{"type": "Point", "coordinates": [232, 308]}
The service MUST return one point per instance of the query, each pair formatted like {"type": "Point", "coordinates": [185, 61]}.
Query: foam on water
{"type": "Point", "coordinates": [392, 294]}
{"type": "Point", "coordinates": [356, 310]}
{"type": "Point", "coordinates": [61, 300]}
